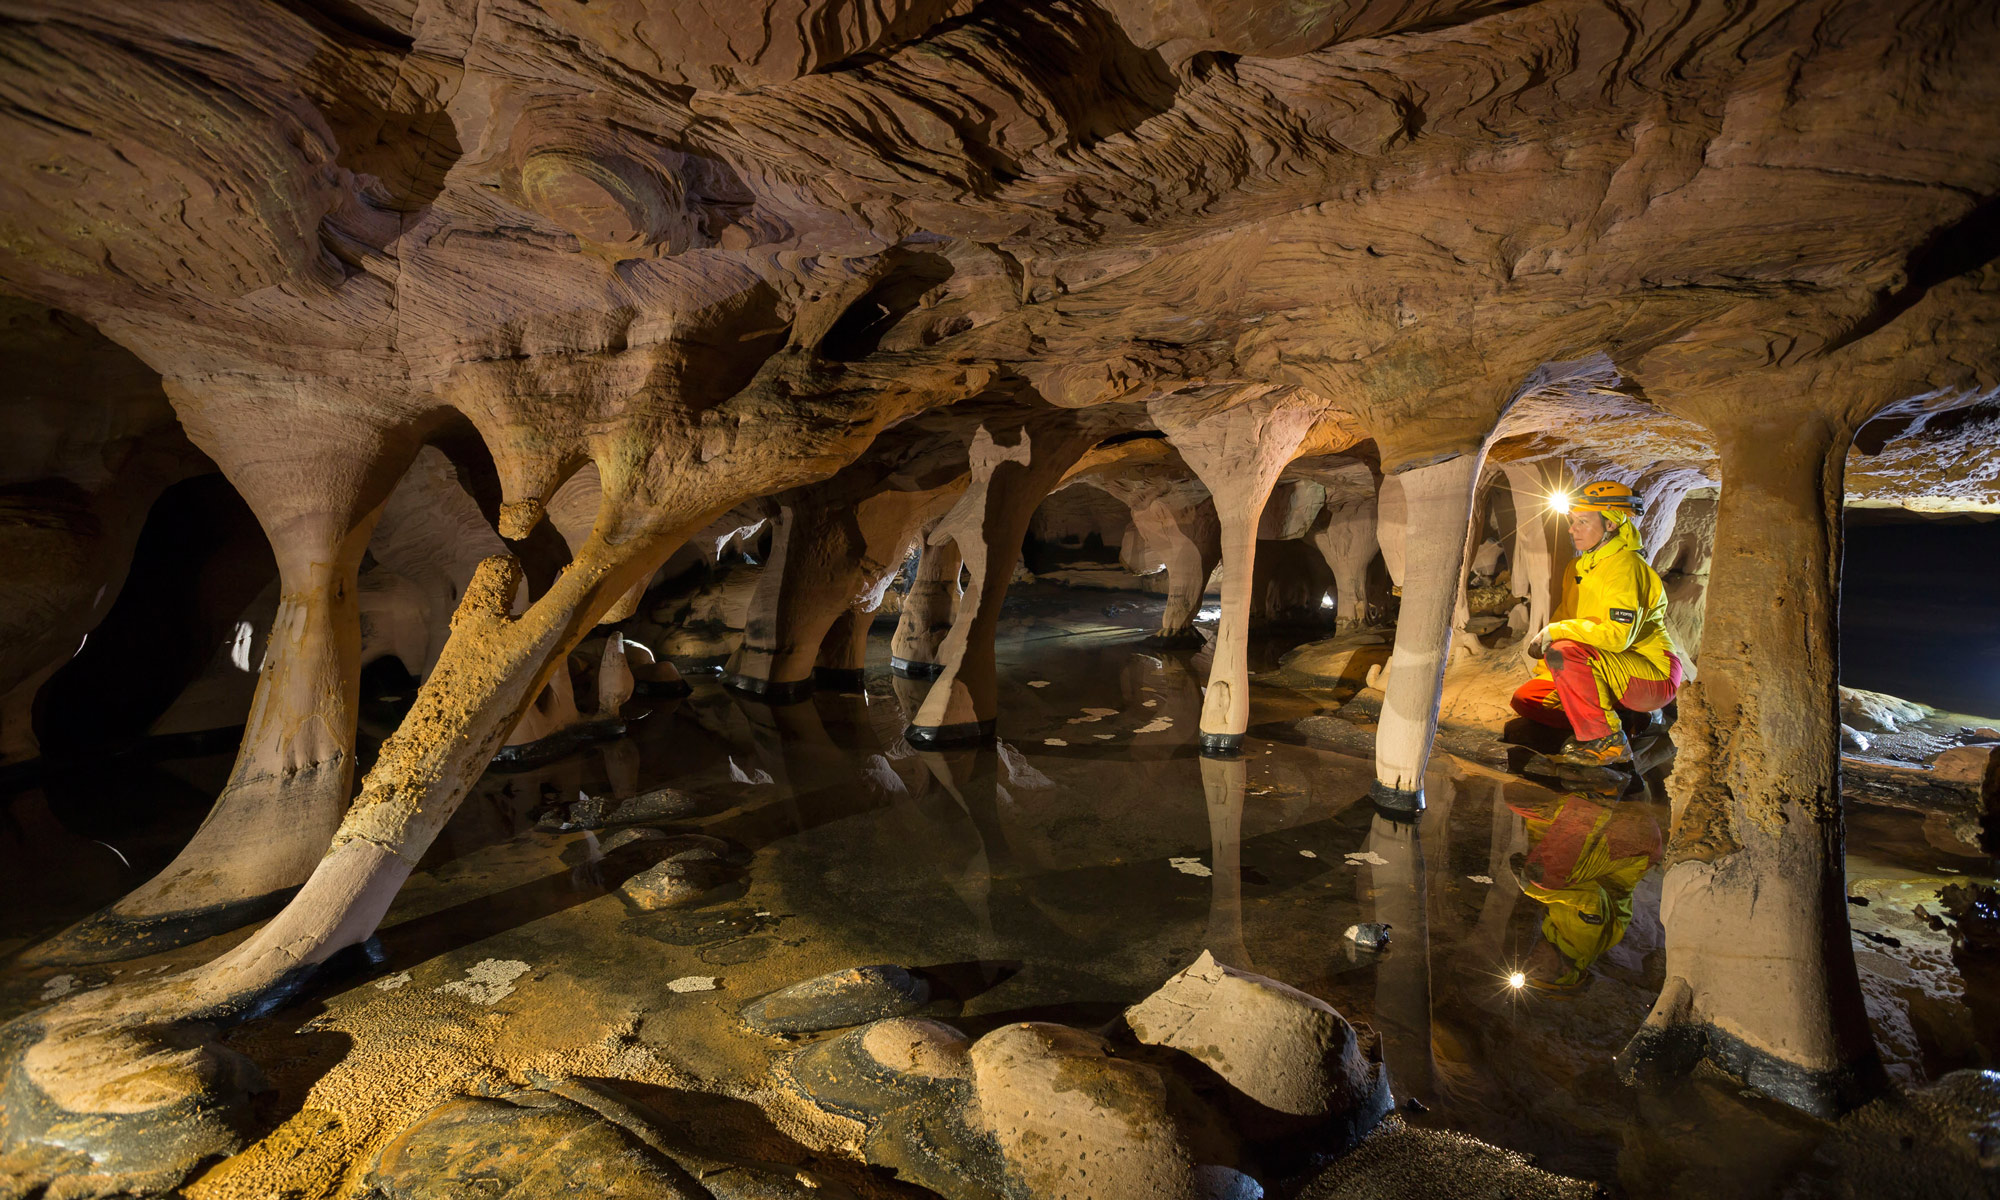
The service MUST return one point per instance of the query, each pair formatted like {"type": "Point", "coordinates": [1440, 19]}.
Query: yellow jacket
{"type": "Point", "coordinates": [1620, 602]}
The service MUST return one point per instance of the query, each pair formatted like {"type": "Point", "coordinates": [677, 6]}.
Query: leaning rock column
{"type": "Point", "coordinates": [1435, 504]}
{"type": "Point", "coordinates": [295, 764]}
{"type": "Point", "coordinates": [1237, 453]}
{"type": "Point", "coordinates": [926, 615]}
{"type": "Point", "coordinates": [988, 523]}
{"type": "Point", "coordinates": [1760, 977]}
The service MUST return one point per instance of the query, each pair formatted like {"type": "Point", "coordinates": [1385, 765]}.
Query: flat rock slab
{"type": "Point", "coordinates": [854, 996]}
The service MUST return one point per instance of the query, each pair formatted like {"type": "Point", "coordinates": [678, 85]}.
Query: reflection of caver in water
{"type": "Point", "coordinates": [1584, 860]}
{"type": "Point", "coordinates": [1614, 651]}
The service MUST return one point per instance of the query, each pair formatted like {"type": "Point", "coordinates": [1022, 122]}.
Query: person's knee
{"type": "Point", "coordinates": [1569, 649]}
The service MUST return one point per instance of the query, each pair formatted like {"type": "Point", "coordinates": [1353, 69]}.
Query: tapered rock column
{"type": "Point", "coordinates": [843, 655]}
{"type": "Point", "coordinates": [988, 523]}
{"type": "Point", "coordinates": [1760, 977]}
{"type": "Point", "coordinates": [1346, 539]}
{"type": "Point", "coordinates": [1434, 503]}
{"type": "Point", "coordinates": [1189, 540]}
{"type": "Point", "coordinates": [804, 588]}
{"type": "Point", "coordinates": [295, 765]}
{"type": "Point", "coordinates": [926, 615]}
{"type": "Point", "coordinates": [1533, 557]}
{"type": "Point", "coordinates": [834, 557]}
{"type": "Point", "coordinates": [1237, 453]}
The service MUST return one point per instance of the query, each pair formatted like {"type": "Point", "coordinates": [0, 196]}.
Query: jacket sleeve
{"type": "Point", "coordinates": [1610, 610]}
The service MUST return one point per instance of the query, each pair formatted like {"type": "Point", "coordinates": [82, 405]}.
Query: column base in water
{"type": "Point", "coordinates": [788, 691]}
{"type": "Point", "coordinates": [915, 670]}
{"type": "Point", "coordinates": [1661, 1053]}
{"type": "Point", "coordinates": [1395, 802]}
{"type": "Point", "coordinates": [840, 679]}
{"type": "Point", "coordinates": [1221, 745]}
{"type": "Point", "coordinates": [940, 737]}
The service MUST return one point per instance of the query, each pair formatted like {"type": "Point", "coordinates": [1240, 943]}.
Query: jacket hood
{"type": "Point", "coordinates": [1624, 536]}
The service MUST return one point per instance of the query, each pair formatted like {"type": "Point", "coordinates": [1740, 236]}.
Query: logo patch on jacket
{"type": "Point", "coordinates": [1624, 616]}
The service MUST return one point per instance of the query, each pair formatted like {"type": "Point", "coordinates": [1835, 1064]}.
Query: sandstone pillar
{"type": "Point", "coordinates": [1346, 538]}
{"type": "Point", "coordinates": [803, 589]}
{"type": "Point", "coordinates": [988, 523]}
{"type": "Point", "coordinates": [843, 655]}
{"type": "Point", "coordinates": [927, 609]}
{"type": "Point", "coordinates": [317, 497]}
{"type": "Point", "coordinates": [1760, 977]}
{"type": "Point", "coordinates": [1533, 555]}
{"type": "Point", "coordinates": [834, 554]}
{"type": "Point", "coordinates": [1435, 503]}
{"type": "Point", "coordinates": [1189, 540]}
{"type": "Point", "coordinates": [1237, 453]}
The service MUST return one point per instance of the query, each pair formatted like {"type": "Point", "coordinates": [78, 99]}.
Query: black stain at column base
{"type": "Point", "coordinates": [841, 679]}
{"type": "Point", "coordinates": [1395, 802]}
{"type": "Point", "coordinates": [915, 670]}
{"type": "Point", "coordinates": [1221, 745]}
{"type": "Point", "coordinates": [782, 691]}
{"type": "Point", "coordinates": [940, 737]}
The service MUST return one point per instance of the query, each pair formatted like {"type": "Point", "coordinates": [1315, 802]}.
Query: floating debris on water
{"type": "Point", "coordinates": [1189, 866]}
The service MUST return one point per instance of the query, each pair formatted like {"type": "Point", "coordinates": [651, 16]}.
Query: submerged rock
{"type": "Point", "coordinates": [597, 812]}
{"type": "Point", "coordinates": [1289, 1052]}
{"type": "Point", "coordinates": [851, 997]}
{"type": "Point", "coordinates": [672, 884]}
{"type": "Point", "coordinates": [526, 1146]}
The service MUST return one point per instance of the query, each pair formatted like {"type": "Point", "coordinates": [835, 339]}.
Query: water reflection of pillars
{"type": "Point", "coordinates": [1398, 883]}
{"type": "Point", "coordinates": [1222, 781]}
{"type": "Point", "coordinates": [962, 829]}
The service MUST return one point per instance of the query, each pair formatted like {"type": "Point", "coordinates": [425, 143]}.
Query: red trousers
{"type": "Point", "coordinates": [1582, 693]}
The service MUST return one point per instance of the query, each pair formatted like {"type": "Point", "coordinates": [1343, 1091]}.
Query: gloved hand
{"type": "Point", "coordinates": [1538, 645]}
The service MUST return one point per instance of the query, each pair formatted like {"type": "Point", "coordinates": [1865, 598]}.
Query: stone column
{"type": "Point", "coordinates": [926, 615]}
{"type": "Point", "coordinates": [317, 492]}
{"type": "Point", "coordinates": [1189, 540]}
{"type": "Point", "coordinates": [804, 588]}
{"type": "Point", "coordinates": [988, 523]}
{"type": "Point", "coordinates": [1346, 539]}
{"type": "Point", "coordinates": [1237, 453]}
{"type": "Point", "coordinates": [1533, 555]}
{"type": "Point", "coordinates": [1760, 977]}
{"type": "Point", "coordinates": [1435, 504]}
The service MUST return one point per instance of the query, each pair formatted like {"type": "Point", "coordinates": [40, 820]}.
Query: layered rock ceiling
{"type": "Point", "coordinates": [902, 267]}
{"type": "Point", "coordinates": [345, 219]}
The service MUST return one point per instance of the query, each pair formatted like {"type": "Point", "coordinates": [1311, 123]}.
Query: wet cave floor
{"type": "Point", "coordinates": [1061, 876]}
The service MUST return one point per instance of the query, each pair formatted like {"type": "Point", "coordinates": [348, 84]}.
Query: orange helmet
{"type": "Point", "coordinates": [1608, 498]}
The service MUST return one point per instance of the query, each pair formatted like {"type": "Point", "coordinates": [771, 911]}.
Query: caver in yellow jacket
{"type": "Point", "coordinates": [1620, 605]}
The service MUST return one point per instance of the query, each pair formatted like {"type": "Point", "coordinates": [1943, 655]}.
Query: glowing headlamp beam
{"type": "Point", "coordinates": [1559, 501]}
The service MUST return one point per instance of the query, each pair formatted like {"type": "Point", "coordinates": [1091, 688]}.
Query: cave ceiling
{"type": "Point", "coordinates": [552, 215]}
